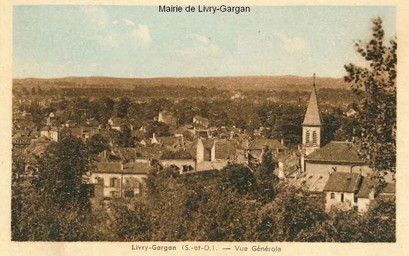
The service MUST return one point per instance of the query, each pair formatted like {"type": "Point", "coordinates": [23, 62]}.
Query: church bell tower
{"type": "Point", "coordinates": [312, 125]}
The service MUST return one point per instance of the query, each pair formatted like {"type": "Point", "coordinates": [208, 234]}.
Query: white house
{"type": "Point", "coordinates": [114, 179]}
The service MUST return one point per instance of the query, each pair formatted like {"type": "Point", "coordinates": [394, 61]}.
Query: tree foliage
{"type": "Point", "coordinates": [376, 86]}
{"type": "Point", "coordinates": [54, 205]}
{"type": "Point", "coordinates": [97, 144]}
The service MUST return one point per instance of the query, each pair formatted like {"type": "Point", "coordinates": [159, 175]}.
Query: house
{"type": "Point", "coordinates": [350, 112]}
{"type": "Point", "coordinates": [365, 195]}
{"type": "Point", "coordinates": [114, 179]}
{"type": "Point", "coordinates": [116, 123]}
{"type": "Point", "coordinates": [224, 151]}
{"type": "Point", "coordinates": [341, 190]}
{"type": "Point", "coordinates": [204, 150]}
{"type": "Point", "coordinates": [171, 143]}
{"type": "Point", "coordinates": [257, 146]}
{"type": "Point", "coordinates": [167, 118]}
{"type": "Point", "coordinates": [52, 133]}
{"type": "Point", "coordinates": [50, 118]}
{"type": "Point", "coordinates": [216, 154]}
{"type": "Point", "coordinates": [199, 121]}
{"type": "Point", "coordinates": [388, 191]}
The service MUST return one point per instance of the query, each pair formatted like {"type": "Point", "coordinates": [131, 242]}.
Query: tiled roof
{"type": "Point", "coordinates": [312, 181]}
{"type": "Point", "coordinates": [336, 151]}
{"type": "Point", "coordinates": [108, 167]}
{"type": "Point", "coordinates": [46, 128]}
{"type": "Point", "coordinates": [313, 116]}
{"type": "Point", "coordinates": [135, 167]}
{"type": "Point", "coordinates": [208, 144]}
{"type": "Point", "coordinates": [261, 143]}
{"type": "Point", "coordinates": [168, 141]}
{"type": "Point", "coordinates": [343, 182]}
{"type": "Point", "coordinates": [116, 167]}
{"type": "Point", "coordinates": [127, 154]}
{"type": "Point", "coordinates": [365, 188]}
{"type": "Point", "coordinates": [225, 149]}
{"type": "Point", "coordinates": [390, 188]}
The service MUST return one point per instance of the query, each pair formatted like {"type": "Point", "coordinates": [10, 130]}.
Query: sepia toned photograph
{"type": "Point", "coordinates": [204, 123]}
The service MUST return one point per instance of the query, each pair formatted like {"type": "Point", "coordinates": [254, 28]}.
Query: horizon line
{"type": "Point", "coordinates": [175, 77]}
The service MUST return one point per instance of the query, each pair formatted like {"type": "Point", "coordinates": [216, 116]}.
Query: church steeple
{"type": "Point", "coordinates": [312, 125]}
{"type": "Point", "coordinates": [313, 116]}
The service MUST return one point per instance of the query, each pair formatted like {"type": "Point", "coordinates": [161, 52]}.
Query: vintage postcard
{"type": "Point", "coordinates": [195, 127]}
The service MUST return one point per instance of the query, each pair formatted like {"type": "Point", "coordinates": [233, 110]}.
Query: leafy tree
{"type": "Point", "coordinates": [131, 221]}
{"type": "Point", "coordinates": [55, 203]}
{"type": "Point", "coordinates": [237, 178]}
{"type": "Point", "coordinates": [123, 106]}
{"type": "Point", "coordinates": [102, 109]}
{"type": "Point", "coordinates": [124, 137]}
{"type": "Point", "coordinates": [97, 144]}
{"type": "Point", "coordinates": [291, 212]}
{"type": "Point", "coordinates": [159, 128]}
{"type": "Point", "coordinates": [38, 113]}
{"type": "Point", "coordinates": [380, 222]}
{"type": "Point", "coordinates": [62, 171]}
{"type": "Point", "coordinates": [376, 86]}
{"type": "Point", "coordinates": [332, 123]}
{"type": "Point", "coordinates": [265, 177]}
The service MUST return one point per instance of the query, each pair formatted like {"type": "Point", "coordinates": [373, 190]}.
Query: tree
{"type": "Point", "coordinates": [131, 223]}
{"type": "Point", "coordinates": [123, 106]}
{"type": "Point", "coordinates": [103, 109]}
{"type": "Point", "coordinates": [97, 144]}
{"type": "Point", "coordinates": [291, 212]}
{"type": "Point", "coordinates": [62, 171]}
{"type": "Point", "coordinates": [55, 204]}
{"type": "Point", "coordinates": [237, 178]}
{"type": "Point", "coordinates": [159, 128]}
{"type": "Point", "coordinates": [265, 177]}
{"type": "Point", "coordinates": [376, 86]}
{"type": "Point", "coordinates": [125, 138]}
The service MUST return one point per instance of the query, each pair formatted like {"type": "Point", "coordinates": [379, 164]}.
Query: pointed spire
{"type": "Point", "coordinates": [313, 82]}
{"type": "Point", "coordinates": [313, 116]}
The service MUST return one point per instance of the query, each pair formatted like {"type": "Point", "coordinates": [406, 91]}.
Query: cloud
{"type": "Point", "coordinates": [201, 39]}
{"type": "Point", "coordinates": [293, 45]}
{"type": "Point", "coordinates": [141, 32]}
{"type": "Point", "coordinates": [128, 22]}
{"type": "Point", "coordinates": [196, 47]}
{"type": "Point", "coordinates": [96, 15]}
{"type": "Point", "coordinates": [112, 40]}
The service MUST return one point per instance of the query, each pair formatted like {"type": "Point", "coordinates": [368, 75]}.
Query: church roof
{"type": "Point", "coordinates": [313, 116]}
{"type": "Point", "coordinates": [336, 151]}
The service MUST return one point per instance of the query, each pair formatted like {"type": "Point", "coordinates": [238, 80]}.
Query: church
{"type": "Point", "coordinates": [333, 170]}
{"type": "Point", "coordinates": [336, 156]}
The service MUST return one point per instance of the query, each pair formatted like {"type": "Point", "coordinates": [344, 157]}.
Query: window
{"type": "Point", "coordinates": [129, 193]}
{"type": "Point", "coordinates": [114, 182]}
{"type": "Point", "coordinates": [314, 138]}
{"type": "Point", "coordinates": [342, 197]}
{"type": "Point", "coordinates": [99, 180]}
{"type": "Point", "coordinates": [332, 195]}
{"type": "Point", "coordinates": [307, 137]}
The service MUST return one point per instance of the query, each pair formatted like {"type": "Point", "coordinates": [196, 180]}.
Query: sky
{"type": "Point", "coordinates": [137, 41]}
